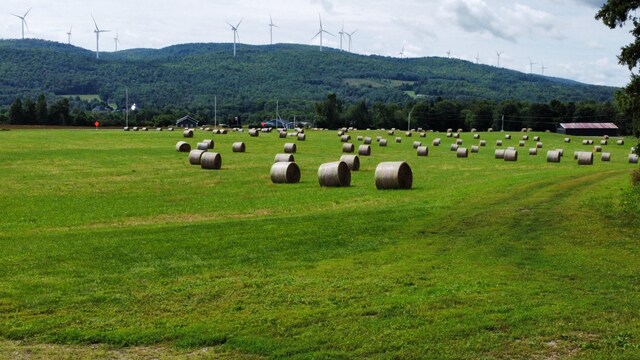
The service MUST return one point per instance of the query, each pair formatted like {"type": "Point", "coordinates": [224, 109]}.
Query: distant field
{"type": "Point", "coordinates": [84, 97]}
{"type": "Point", "coordinates": [377, 83]}
{"type": "Point", "coordinates": [112, 245]}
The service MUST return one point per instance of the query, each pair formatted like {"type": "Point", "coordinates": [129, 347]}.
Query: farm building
{"type": "Point", "coordinates": [588, 129]}
{"type": "Point", "coordinates": [187, 122]}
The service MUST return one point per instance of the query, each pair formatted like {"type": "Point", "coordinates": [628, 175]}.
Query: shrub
{"type": "Point", "coordinates": [635, 177]}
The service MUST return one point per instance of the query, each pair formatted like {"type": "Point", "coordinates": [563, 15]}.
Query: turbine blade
{"type": "Point", "coordinates": [27, 13]}
{"type": "Point", "coordinates": [95, 23]}
{"type": "Point", "coordinates": [18, 16]}
{"type": "Point", "coordinates": [316, 35]}
{"type": "Point", "coordinates": [326, 32]}
{"type": "Point", "coordinates": [237, 26]}
{"type": "Point", "coordinates": [355, 31]}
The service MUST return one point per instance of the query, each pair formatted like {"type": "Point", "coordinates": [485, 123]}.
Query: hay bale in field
{"type": "Point", "coordinates": [283, 158]}
{"type": "Point", "coordinates": [539, 145]}
{"type": "Point", "coordinates": [290, 148]}
{"type": "Point", "coordinates": [561, 151]}
{"type": "Point", "coordinates": [498, 142]}
{"type": "Point", "coordinates": [585, 142]}
{"type": "Point", "coordinates": [159, 129]}
{"type": "Point", "coordinates": [521, 143]}
{"type": "Point", "coordinates": [238, 147]}
{"type": "Point", "coordinates": [567, 140]}
{"type": "Point", "coordinates": [393, 175]}
{"type": "Point", "coordinates": [416, 144]}
{"type": "Point", "coordinates": [183, 146]}
{"type": "Point", "coordinates": [483, 142]}
{"type": "Point", "coordinates": [352, 161]}
{"type": "Point", "coordinates": [126, 128]}
{"type": "Point", "coordinates": [533, 151]}
{"type": "Point", "coordinates": [423, 134]}
{"type": "Point", "coordinates": [292, 134]}
{"type": "Point", "coordinates": [436, 142]}
{"type": "Point", "coordinates": [454, 147]}
{"type": "Point", "coordinates": [367, 140]}
{"type": "Point", "coordinates": [606, 156]}
{"type": "Point", "coordinates": [254, 133]}
{"type": "Point", "coordinates": [361, 138]}
{"type": "Point", "coordinates": [215, 131]}
{"type": "Point", "coordinates": [195, 155]}
{"type": "Point", "coordinates": [364, 150]}
{"type": "Point", "coordinates": [499, 154]}
{"type": "Point", "coordinates": [408, 134]}
{"type": "Point", "coordinates": [145, 129]}
{"type": "Point", "coordinates": [340, 133]}
{"type": "Point", "coordinates": [507, 136]}
{"type": "Point", "coordinates": [224, 131]}
{"type": "Point", "coordinates": [202, 146]}
{"type": "Point", "coordinates": [449, 135]}
{"type": "Point", "coordinates": [606, 137]}
{"type": "Point", "coordinates": [210, 144]}
{"type": "Point", "coordinates": [536, 138]}
{"type": "Point", "coordinates": [473, 130]}
{"type": "Point", "coordinates": [449, 131]}
{"type": "Point", "coordinates": [398, 139]}
{"type": "Point", "coordinates": [597, 148]}
{"type": "Point", "coordinates": [633, 158]}
{"type": "Point", "coordinates": [462, 152]}
{"type": "Point", "coordinates": [525, 137]}
{"type": "Point", "coordinates": [523, 130]}
{"type": "Point", "coordinates": [511, 155]}
{"type": "Point", "coordinates": [476, 136]}
{"type": "Point", "coordinates": [459, 142]}
{"type": "Point", "coordinates": [334, 174]}
{"type": "Point", "coordinates": [302, 137]}
{"type": "Point", "coordinates": [391, 132]}
{"type": "Point", "coordinates": [456, 135]}
{"type": "Point", "coordinates": [604, 142]}
{"type": "Point", "coordinates": [348, 148]}
{"type": "Point", "coordinates": [285, 173]}
{"type": "Point", "coordinates": [423, 151]}
{"type": "Point", "coordinates": [553, 156]}
{"type": "Point", "coordinates": [135, 128]}
{"type": "Point", "coordinates": [620, 142]}
{"type": "Point", "coordinates": [475, 149]}
{"type": "Point", "coordinates": [585, 158]}
{"type": "Point", "coordinates": [282, 134]}
{"type": "Point", "coordinates": [460, 130]}
{"type": "Point", "coordinates": [187, 133]}
{"type": "Point", "coordinates": [490, 130]}
{"type": "Point", "coordinates": [383, 142]}
{"type": "Point", "coordinates": [211, 161]}
{"type": "Point", "coordinates": [170, 129]}
{"type": "Point", "coordinates": [510, 148]}
{"type": "Point", "coordinates": [207, 129]}
{"type": "Point", "coordinates": [345, 138]}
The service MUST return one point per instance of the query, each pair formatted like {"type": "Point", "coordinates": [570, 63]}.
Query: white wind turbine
{"type": "Point", "coordinates": [69, 36]}
{"type": "Point", "coordinates": [499, 53]}
{"type": "Point", "coordinates": [235, 35]}
{"type": "Point", "coordinates": [271, 26]}
{"type": "Point", "coordinates": [531, 63]}
{"type": "Point", "coordinates": [401, 53]}
{"type": "Point", "coordinates": [116, 40]}
{"type": "Point", "coordinates": [23, 21]}
{"type": "Point", "coordinates": [320, 32]}
{"type": "Point", "coordinates": [342, 34]}
{"type": "Point", "coordinates": [349, 35]}
{"type": "Point", "coordinates": [97, 31]}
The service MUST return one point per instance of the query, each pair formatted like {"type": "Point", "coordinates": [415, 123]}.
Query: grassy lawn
{"type": "Point", "coordinates": [112, 245]}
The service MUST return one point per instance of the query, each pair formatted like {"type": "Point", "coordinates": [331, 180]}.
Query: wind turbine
{"type": "Point", "coordinates": [23, 21]}
{"type": "Point", "coordinates": [401, 53]}
{"type": "Point", "coordinates": [342, 33]}
{"type": "Point", "coordinates": [543, 67]}
{"type": "Point", "coordinates": [235, 35]}
{"type": "Point", "coordinates": [349, 35]}
{"type": "Point", "coordinates": [478, 58]}
{"type": "Point", "coordinates": [271, 26]}
{"type": "Point", "coordinates": [69, 35]}
{"type": "Point", "coordinates": [97, 31]}
{"type": "Point", "coordinates": [116, 40]}
{"type": "Point", "coordinates": [499, 53]}
{"type": "Point", "coordinates": [531, 63]}
{"type": "Point", "coordinates": [320, 32]}
{"type": "Point", "coordinates": [449, 54]}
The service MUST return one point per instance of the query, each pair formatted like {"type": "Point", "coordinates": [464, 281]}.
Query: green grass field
{"type": "Point", "coordinates": [112, 245]}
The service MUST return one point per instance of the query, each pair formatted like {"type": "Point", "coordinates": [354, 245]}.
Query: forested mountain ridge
{"type": "Point", "coordinates": [190, 75]}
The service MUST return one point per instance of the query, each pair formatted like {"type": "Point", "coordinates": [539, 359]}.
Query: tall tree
{"type": "Point", "coordinates": [329, 112]}
{"type": "Point", "coordinates": [16, 113]}
{"type": "Point", "coordinates": [29, 111]}
{"type": "Point", "coordinates": [41, 110]}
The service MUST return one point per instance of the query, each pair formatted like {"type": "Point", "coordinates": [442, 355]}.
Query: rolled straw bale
{"type": "Point", "coordinates": [238, 147]}
{"type": "Point", "coordinates": [416, 144]}
{"type": "Point", "coordinates": [420, 129]}
{"type": "Point", "coordinates": [187, 133]}
{"type": "Point", "coordinates": [604, 142]}
{"type": "Point", "coordinates": [539, 145]}
{"type": "Point", "coordinates": [393, 175]}
{"type": "Point", "coordinates": [334, 174]}
{"type": "Point", "coordinates": [215, 131]}
{"type": "Point", "coordinates": [210, 143]}
{"type": "Point", "coordinates": [285, 173]}
{"type": "Point", "coordinates": [523, 130]}
{"type": "Point", "coordinates": [585, 142]}
{"type": "Point", "coordinates": [476, 136]}
{"type": "Point", "coordinates": [510, 148]}
{"type": "Point", "coordinates": [525, 137]}
{"type": "Point", "coordinates": [536, 138]}
{"type": "Point", "coordinates": [436, 142]}
{"type": "Point", "coordinates": [202, 146]}
{"type": "Point", "coordinates": [606, 156]}
{"type": "Point", "coordinates": [183, 146]}
{"type": "Point", "coordinates": [553, 156]}
{"type": "Point", "coordinates": [284, 158]}
{"type": "Point", "coordinates": [459, 141]}
{"type": "Point", "coordinates": [499, 154]}
{"type": "Point", "coordinates": [606, 137]}
{"type": "Point", "coordinates": [449, 135]}
{"type": "Point", "coordinates": [348, 148]}
{"type": "Point", "coordinates": [483, 142]}
{"type": "Point", "coordinates": [454, 147]}
{"type": "Point", "coordinates": [460, 130]}
{"type": "Point", "coordinates": [498, 142]}
{"type": "Point", "coordinates": [585, 158]}
{"type": "Point", "coordinates": [302, 137]}
{"type": "Point", "coordinates": [195, 155]}
{"type": "Point", "coordinates": [633, 158]}
{"type": "Point", "coordinates": [290, 148]}
{"type": "Point", "coordinates": [224, 131]}
{"type": "Point", "coordinates": [590, 142]}
{"type": "Point", "coordinates": [567, 140]}
{"type": "Point", "coordinates": [361, 138]}
{"type": "Point", "coordinates": [391, 132]}
{"type": "Point", "coordinates": [398, 139]}
{"type": "Point", "coordinates": [170, 129]}
{"type": "Point", "coordinates": [490, 130]}
{"type": "Point", "coordinates": [345, 138]}
{"type": "Point", "coordinates": [126, 128]}
{"type": "Point", "coordinates": [345, 130]}
{"type": "Point", "coordinates": [340, 133]}
{"type": "Point", "coordinates": [533, 151]}
{"type": "Point", "coordinates": [207, 129]}
{"type": "Point", "coordinates": [561, 151]}
{"type": "Point", "coordinates": [423, 151]}
{"type": "Point", "coordinates": [511, 155]}
{"type": "Point", "coordinates": [135, 128]}
{"type": "Point", "coordinates": [383, 142]}
{"type": "Point", "coordinates": [423, 134]}
{"type": "Point", "coordinates": [364, 150]}
{"type": "Point", "coordinates": [620, 142]}
{"type": "Point", "coordinates": [456, 135]}
{"type": "Point", "coordinates": [507, 136]}
{"type": "Point", "coordinates": [449, 131]}
{"type": "Point", "coordinates": [254, 133]}
{"type": "Point", "coordinates": [292, 134]}
{"type": "Point", "coordinates": [597, 148]}
{"type": "Point", "coordinates": [352, 161]}
{"type": "Point", "coordinates": [473, 130]}
{"type": "Point", "coordinates": [475, 149]}
{"type": "Point", "coordinates": [408, 134]}
{"type": "Point", "coordinates": [282, 135]}
{"type": "Point", "coordinates": [211, 161]}
{"type": "Point", "coordinates": [521, 143]}
{"type": "Point", "coordinates": [159, 129]}
{"type": "Point", "coordinates": [462, 152]}
{"type": "Point", "coordinates": [367, 140]}
{"type": "Point", "coordinates": [144, 129]}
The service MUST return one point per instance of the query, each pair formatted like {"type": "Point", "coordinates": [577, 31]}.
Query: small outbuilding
{"type": "Point", "coordinates": [187, 122]}
{"type": "Point", "coordinates": [588, 129]}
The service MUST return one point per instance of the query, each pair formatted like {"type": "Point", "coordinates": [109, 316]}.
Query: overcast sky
{"type": "Point", "coordinates": [562, 35]}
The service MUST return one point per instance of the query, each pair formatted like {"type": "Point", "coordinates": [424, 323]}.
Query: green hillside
{"type": "Point", "coordinates": [190, 75]}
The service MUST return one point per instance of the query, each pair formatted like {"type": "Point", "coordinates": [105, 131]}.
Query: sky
{"type": "Point", "coordinates": [560, 35]}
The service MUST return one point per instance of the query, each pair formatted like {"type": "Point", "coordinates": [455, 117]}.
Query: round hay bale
{"type": "Point", "coordinates": [302, 136]}
{"type": "Point", "coordinates": [475, 149]}
{"type": "Point", "coordinates": [361, 138]}
{"type": "Point", "coordinates": [393, 175]}
{"type": "Point", "coordinates": [454, 147]}
{"type": "Point", "coordinates": [449, 131]}
{"type": "Point", "coordinates": [340, 133]}
{"type": "Point", "coordinates": [476, 136]}
{"type": "Point", "coordinates": [510, 148]}
{"type": "Point", "coordinates": [352, 161]}
{"type": "Point", "coordinates": [483, 142]}
{"type": "Point", "coordinates": [567, 140]}
{"type": "Point", "coordinates": [620, 142]}
{"type": "Point", "coordinates": [211, 161]}
{"type": "Point", "coordinates": [292, 134]}
{"type": "Point", "coordinates": [383, 142]}
{"type": "Point", "coordinates": [224, 131]}
{"type": "Point", "coordinates": [215, 131]}
{"type": "Point", "coordinates": [135, 128]}
{"type": "Point", "coordinates": [533, 151]}
{"type": "Point", "coordinates": [511, 155]}
{"type": "Point", "coordinates": [186, 133]}
{"type": "Point", "coordinates": [254, 133]}
{"type": "Point", "coordinates": [633, 158]}
{"type": "Point", "coordinates": [456, 135]}
{"type": "Point", "coordinates": [285, 173]}
{"type": "Point", "coordinates": [553, 156]}
{"type": "Point", "coordinates": [284, 158]}
{"type": "Point", "coordinates": [462, 152]}
{"type": "Point", "coordinates": [423, 151]}
{"type": "Point", "coordinates": [449, 135]}
{"type": "Point", "coordinates": [239, 147]}
{"type": "Point", "coordinates": [604, 142]}
{"type": "Point", "coordinates": [170, 129]}
{"type": "Point", "coordinates": [416, 144]}
{"type": "Point", "coordinates": [606, 156]}
{"type": "Point", "coordinates": [498, 142]}
{"type": "Point", "coordinates": [436, 142]}
{"type": "Point", "coordinates": [499, 154]}
{"type": "Point", "coordinates": [145, 129]}
{"type": "Point", "coordinates": [536, 138]}
{"type": "Point", "coordinates": [561, 151]}
{"type": "Point", "coordinates": [521, 143]}
{"type": "Point", "coordinates": [364, 150]}
{"type": "Point", "coordinates": [460, 130]}
{"type": "Point", "coordinates": [367, 140]}
{"type": "Point", "coordinates": [525, 137]}
{"type": "Point", "coordinates": [202, 146]}
{"type": "Point", "coordinates": [159, 129]}
{"type": "Point", "coordinates": [183, 146]}
{"type": "Point", "coordinates": [473, 130]}
{"type": "Point", "coordinates": [459, 142]}
{"type": "Point", "coordinates": [290, 148]}
{"type": "Point", "coordinates": [391, 132]}
{"type": "Point", "coordinates": [585, 158]}
{"type": "Point", "coordinates": [195, 155]}
{"type": "Point", "coordinates": [398, 139]}
{"type": "Point", "coordinates": [490, 130]}
{"type": "Point", "coordinates": [210, 143]}
{"type": "Point", "coordinates": [345, 138]}
{"type": "Point", "coordinates": [423, 134]}
{"type": "Point", "coordinates": [348, 148]}
{"type": "Point", "coordinates": [126, 128]}
{"type": "Point", "coordinates": [606, 137]}
{"type": "Point", "coordinates": [334, 174]}
{"type": "Point", "coordinates": [585, 142]}
{"type": "Point", "coordinates": [282, 134]}
{"type": "Point", "coordinates": [523, 130]}
{"type": "Point", "coordinates": [597, 148]}
{"type": "Point", "coordinates": [408, 134]}
{"type": "Point", "coordinates": [539, 145]}
{"type": "Point", "coordinates": [507, 136]}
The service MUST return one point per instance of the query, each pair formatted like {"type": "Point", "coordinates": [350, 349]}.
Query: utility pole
{"type": "Point", "coordinates": [502, 122]}
{"type": "Point", "coordinates": [126, 110]}
{"type": "Point", "coordinates": [215, 111]}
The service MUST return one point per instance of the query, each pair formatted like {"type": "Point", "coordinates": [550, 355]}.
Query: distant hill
{"type": "Point", "coordinates": [190, 75]}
